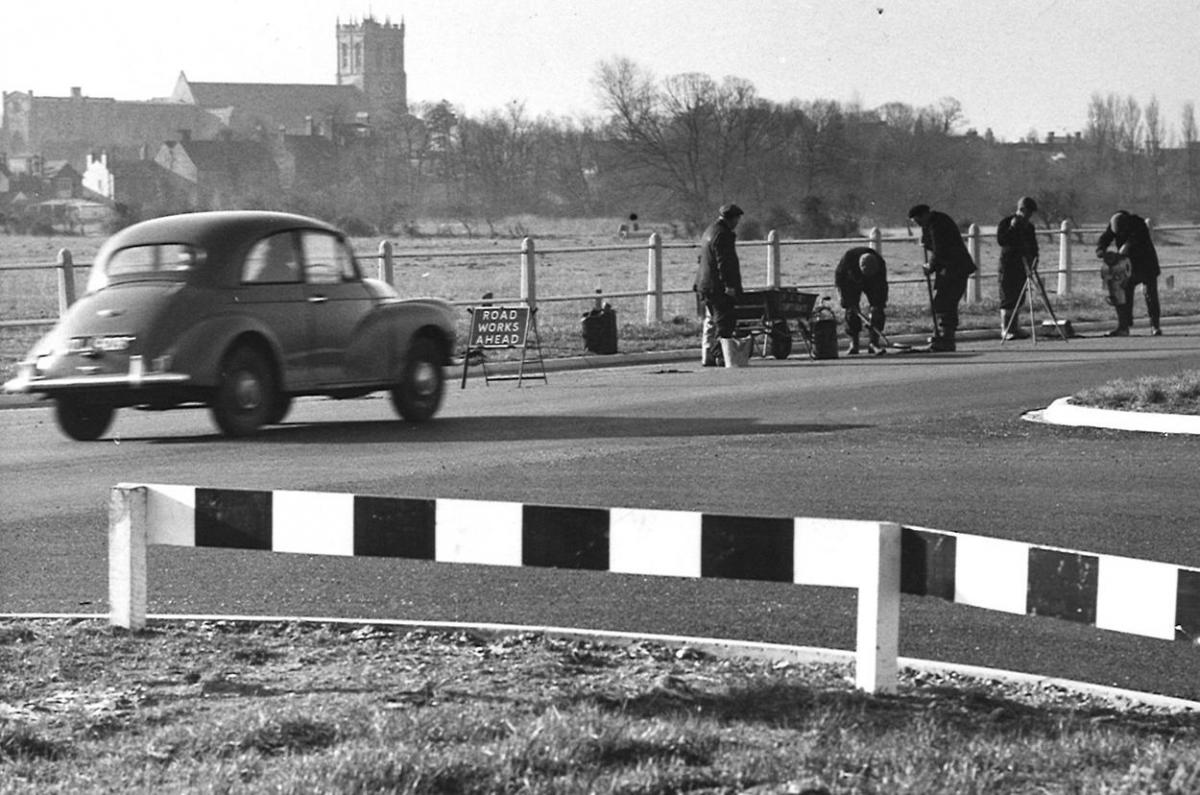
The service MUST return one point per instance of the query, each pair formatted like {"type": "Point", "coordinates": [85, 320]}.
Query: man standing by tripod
{"type": "Point", "coordinates": [1018, 251]}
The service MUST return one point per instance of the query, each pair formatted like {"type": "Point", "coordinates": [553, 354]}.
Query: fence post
{"type": "Point", "coordinates": [127, 512]}
{"type": "Point", "coordinates": [773, 277]}
{"type": "Point", "coordinates": [528, 273]}
{"type": "Point", "coordinates": [654, 280]}
{"type": "Point", "coordinates": [387, 268]}
{"type": "Point", "coordinates": [66, 280]}
{"type": "Point", "coordinates": [975, 243]}
{"type": "Point", "coordinates": [1064, 258]}
{"type": "Point", "coordinates": [876, 667]}
{"type": "Point", "coordinates": [875, 240]}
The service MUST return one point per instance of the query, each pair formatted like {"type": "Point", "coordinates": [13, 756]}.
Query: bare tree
{"type": "Point", "coordinates": [1188, 132]}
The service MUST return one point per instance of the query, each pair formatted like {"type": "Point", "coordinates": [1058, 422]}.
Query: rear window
{"type": "Point", "coordinates": [158, 261]}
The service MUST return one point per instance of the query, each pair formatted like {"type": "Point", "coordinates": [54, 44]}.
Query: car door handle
{"type": "Point", "coordinates": [317, 299]}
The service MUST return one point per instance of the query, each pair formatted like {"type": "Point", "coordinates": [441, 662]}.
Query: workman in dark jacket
{"type": "Point", "coordinates": [948, 260]}
{"type": "Point", "coordinates": [1017, 237]}
{"type": "Point", "coordinates": [1131, 235]}
{"type": "Point", "coordinates": [719, 278]}
{"type": "Point", "coordinates": [862, 271]}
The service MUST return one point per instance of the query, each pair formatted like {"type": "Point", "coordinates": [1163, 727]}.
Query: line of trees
{"type": "Point", "coordinates": [678, 147]}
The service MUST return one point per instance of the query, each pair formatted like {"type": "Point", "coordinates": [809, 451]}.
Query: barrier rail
{"type": "Point", "coordinates": [386, 258]}
{"type": "Point", "coordinates": [880, 560]}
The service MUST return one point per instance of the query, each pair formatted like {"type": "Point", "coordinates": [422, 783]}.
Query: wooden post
{"type": "Point", "coordinates": [974, 243]}
{"type": "Point", "coordinates": [1064, 258]}
{"type": "Point", "coordinates": [876, 667]}
{"type": "Point", "coordinates": [876, 238]}
{"type": "Point", "coordinates": [66, 280]}
{"type": "Point", "coordinates": [528, 273]}
{"type": "Point", "coordinates": [773, 265]}
{"type": "Point", "coordinates": [654, 280]}
{"type": "Point", "coordinates": [387, 267]}
{"type": "Point", "coordinates": [127, 519]}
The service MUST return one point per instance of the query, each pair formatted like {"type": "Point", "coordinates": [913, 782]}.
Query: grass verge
{"type": "Point", "coordinates": [1173, 394]}
{"type": "Point", "coordinates": [285, 707]}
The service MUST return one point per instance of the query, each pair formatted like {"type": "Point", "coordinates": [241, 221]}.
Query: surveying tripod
{"type": "Point", "coordinates": [1033, 280]}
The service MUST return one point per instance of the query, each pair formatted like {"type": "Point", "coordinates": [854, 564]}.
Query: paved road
{"type": "Point", "coordinates": [932, 440]}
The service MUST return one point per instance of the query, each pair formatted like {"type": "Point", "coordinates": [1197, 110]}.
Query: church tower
{"type": "Point", "coordinates": [370, 55]}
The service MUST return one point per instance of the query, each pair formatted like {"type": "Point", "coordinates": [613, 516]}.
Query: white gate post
{"type": "Point", "coordinates": [528, 273]}
{"type": "Point", "coordinates": [1064, 258]}
{"type": "Point", "coordinates": [876, 667]}
{"type": "Point", "coordinates": [387, 269]}
{"type": "Point", "coordinates": [773, 267]}
{"type": "Point", "coordinates": [876, 240]}
{"type": "Point", "coordinates": [654, 280]}
{"type": "Point", "coordinates": [127, 517]}
{"type": "Point", "coordinates": [976, 245]}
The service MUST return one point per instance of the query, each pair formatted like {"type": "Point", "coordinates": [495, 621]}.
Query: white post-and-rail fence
{"type": "Point", "coordinates": [881, 560]}
{"type": "Point", "coordinates": [386, 258]}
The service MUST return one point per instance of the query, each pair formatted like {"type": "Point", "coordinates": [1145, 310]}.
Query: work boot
{"type": "Point", "coordinates": [1155, 331]}
{"type": "Point", "coordinates": [876, 349]}
{"type": "Point", "coordinates": [1119, 331]}
{"type": "Point", "coordinates": [1014, 331]}
{"type": "Point", "coordinates": [853, 349]}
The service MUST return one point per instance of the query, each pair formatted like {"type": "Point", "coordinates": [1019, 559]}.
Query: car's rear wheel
{"type": "Point", "coordinates": [83, 421]}
{"type": "Point", "coordinates": [283, 404]}
{"type": "Point", "coordinates": [419, 394]}
{"type": "Point", "coordinates": [246, 396]}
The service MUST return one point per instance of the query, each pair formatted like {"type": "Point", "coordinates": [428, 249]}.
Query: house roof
{"type": "Point", "coordinates": [226, 156]}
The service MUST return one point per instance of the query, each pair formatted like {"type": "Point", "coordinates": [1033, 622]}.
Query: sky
{"type": "Point", "coordinates": [1014, 67]}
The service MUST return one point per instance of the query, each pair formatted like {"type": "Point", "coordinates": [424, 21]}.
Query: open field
{"type": "Point", "coordinates": [462, 269]}
{"type": "Point", "coordinates": [285, 707]}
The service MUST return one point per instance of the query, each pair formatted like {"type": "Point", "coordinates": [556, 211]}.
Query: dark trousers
{"type": "Point", "coordinates": [720, 306]}
{"type": "Point", "coordinates": [948, 290]}
{"type": "Point", "coordinates": [877, 313]}
{"type": "Point", "coordinates": [1150, 290]}
{"type": "Point", "coordinates": [1012, 281]}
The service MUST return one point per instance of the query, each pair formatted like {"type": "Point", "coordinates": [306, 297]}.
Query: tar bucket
{"type": "Point", "coordinates": [736, 350]}
{"type": "Point", "coordinates": [825, 334]}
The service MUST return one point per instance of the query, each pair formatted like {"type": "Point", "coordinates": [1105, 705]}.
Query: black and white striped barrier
{"type": "Point", "coordinates": [880, 559]}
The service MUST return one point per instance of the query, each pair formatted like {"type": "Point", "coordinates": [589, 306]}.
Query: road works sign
{"type": "Point", "coordinates": [498, 327]}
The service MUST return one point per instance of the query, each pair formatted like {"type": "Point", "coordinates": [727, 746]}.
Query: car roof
{"type": "Point", "coordinates": [214, 230]}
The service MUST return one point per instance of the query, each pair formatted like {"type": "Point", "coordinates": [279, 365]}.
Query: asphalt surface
{"type": "Point", "coordinates": [935, 440]}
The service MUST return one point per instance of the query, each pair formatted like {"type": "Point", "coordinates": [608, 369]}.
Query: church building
{"type": "Point", "coordinates": [371, 87]}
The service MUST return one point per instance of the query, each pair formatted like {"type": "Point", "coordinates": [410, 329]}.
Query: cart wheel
{"type": "Point", "coordinates": [779, 341]}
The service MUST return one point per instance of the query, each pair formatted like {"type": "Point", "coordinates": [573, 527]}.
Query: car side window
{"type": "Point", "coordinates": [327, 260]}
{"type": "Point", "coordinates": [272, 260]}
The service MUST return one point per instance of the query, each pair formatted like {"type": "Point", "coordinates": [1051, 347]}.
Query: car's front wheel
{"type": "Point", "coordinates": [246, 397]}
{"type": "Point", "coordinates": [82, 421]}
{"type": "Point", "coordinates": [419, 394]}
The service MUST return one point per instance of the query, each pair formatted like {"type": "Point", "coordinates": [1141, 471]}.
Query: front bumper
{"type": "Point", "coordinates": [27, 380]}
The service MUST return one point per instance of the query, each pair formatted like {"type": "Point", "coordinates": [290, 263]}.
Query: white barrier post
{"type": "Point", "coordinates": [1064, 259]}
{"type": "Point", "coordinates": [876, 238]}
{"type": "Point", "coordinates": [654, 280]}
{"type": "Point", "coordinates": [528, 274]}
{"type": "Point", "coordinates": [773, 267]}
{"type": "Point", "coordinates": [877, 647]}
{"type": "Point", "coordinates": [127, 517]}
{"type": "Point", "coordinates": [975, 242]}
{"type": "Point", "coordinates": [387, 269]}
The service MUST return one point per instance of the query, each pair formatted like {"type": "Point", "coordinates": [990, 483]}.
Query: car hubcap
{"type": "Point", "coordinates": [248, 392]}
{"type": "Point", "coordinates": [424, 379]}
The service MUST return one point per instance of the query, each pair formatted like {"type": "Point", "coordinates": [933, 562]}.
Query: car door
{"type": "Point", "coordinates": [339, 301]}
{"type": "Point", "coordinates": [272, 291]}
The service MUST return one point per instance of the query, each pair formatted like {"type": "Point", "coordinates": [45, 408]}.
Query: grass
{"type": "Point", "coordinates": [286, 707]}
{"type": "Point", "coordinates": [1175, 394]}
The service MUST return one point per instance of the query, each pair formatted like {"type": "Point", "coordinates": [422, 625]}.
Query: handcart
{"type": "Point", "coordinates": [778, 315]}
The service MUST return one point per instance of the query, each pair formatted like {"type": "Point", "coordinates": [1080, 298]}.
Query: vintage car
{"type": "Point", "coordinates": [241, 311]}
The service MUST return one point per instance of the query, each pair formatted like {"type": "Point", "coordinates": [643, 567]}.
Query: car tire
{"type": "Point", "coordinates": [283, 404]}
{"type": "Point", "coordinates": [83, 422]}
{"type": "Point", "coordinates": [246, 396]}
{"type": "Point", "coordinates": [419, 394]}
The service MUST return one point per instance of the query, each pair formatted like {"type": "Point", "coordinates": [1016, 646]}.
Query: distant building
{"type": "Point", "coordinates": [371, 85]}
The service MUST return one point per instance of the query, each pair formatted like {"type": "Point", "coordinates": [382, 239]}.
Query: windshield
{"type": "Point", "coordinates": [168, 261]}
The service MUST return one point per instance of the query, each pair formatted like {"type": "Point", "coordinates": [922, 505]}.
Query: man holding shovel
{"type": "Point", "coordinates": [719, 279]}
{"type": "Point", "coordinates": [950, 265]}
